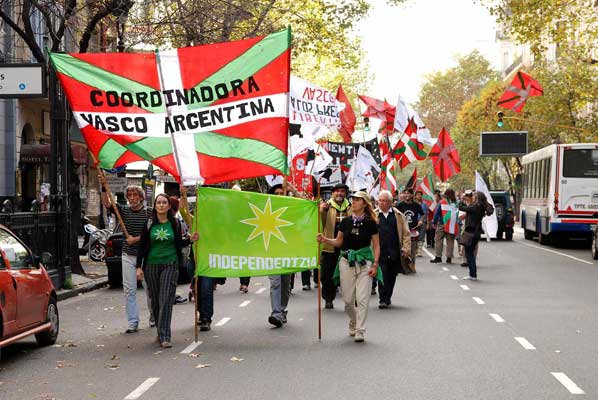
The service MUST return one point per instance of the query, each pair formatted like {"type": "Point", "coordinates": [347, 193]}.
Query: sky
{"type": "Point", "coordinates": [408, 41]}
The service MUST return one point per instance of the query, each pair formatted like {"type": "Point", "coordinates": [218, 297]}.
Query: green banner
{"type": "Point", "coordinates": [253, 234]}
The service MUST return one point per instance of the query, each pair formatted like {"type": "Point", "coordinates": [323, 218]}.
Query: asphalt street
{"type": "Point", "coordinates": [528, 329]}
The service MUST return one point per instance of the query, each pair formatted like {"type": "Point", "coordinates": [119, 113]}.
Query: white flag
{"type": "Point", "coordinates": [321, 160]}
{"type": "Point", "coordinates": [312, 105]}
{"type": "Point", "coordinates": [403, 113]}
{"type": "Point", "coordinates": [489, 223]}
{"type": "Point", "coordinates": [361, 174]}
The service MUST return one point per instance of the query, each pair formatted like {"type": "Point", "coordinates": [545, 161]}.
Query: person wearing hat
{"type": "Point", "coordinates": [332, 212]}
{"type": "Point", "coordinates": [280, 285]}
{"type": "Point", "coordinates": [359, 242]}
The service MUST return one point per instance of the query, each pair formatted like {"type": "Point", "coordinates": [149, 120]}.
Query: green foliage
{"type": "Point", "coordinates": [443, 93]}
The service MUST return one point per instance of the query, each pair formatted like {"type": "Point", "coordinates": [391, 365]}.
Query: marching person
{"type": "Point", "coordinates": [360, 253]}
{"type": "Point", "coordinates": [331, 213]}
{"type": "Point", "coordinates": [473, 229]}
{"type": "Point", "coordinates": [395, 242]}
{"type": "Point", "coordinates": [134, 216]}
{"type": "Point", "coordinates": [280, 285]}
{"type": "Point", "coordinates": [414, 215]}
{"type": "Point", "coordinates": [447, 226]}
{"type": "Point", "coordinates": [160, 253]}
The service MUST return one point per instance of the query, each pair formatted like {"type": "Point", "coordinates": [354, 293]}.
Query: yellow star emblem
{"type": "Point", "coordinates": [266, 223]}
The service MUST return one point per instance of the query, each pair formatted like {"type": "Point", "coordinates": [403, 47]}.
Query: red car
{"type": "Point", "coordinates": [27, 296]}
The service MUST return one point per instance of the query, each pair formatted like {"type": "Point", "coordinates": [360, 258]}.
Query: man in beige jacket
{"type": "Point", "coordinates": [331, 213]}
{"type": "Point", "coordinates": [395, 244]}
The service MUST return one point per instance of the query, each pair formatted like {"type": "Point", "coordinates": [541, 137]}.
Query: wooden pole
{"type": "Point", "coordinates": [109, 194]}
{"type": "Point", "coordinates": [319, 270]}
{"type": "Point", "coordinates": [196, 315]}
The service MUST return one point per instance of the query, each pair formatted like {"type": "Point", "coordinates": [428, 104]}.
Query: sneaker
{"type": "Point", "coordinates": [470, 278]}
{"type": "Point", "coordinates": [352, 328]}
{"type": "Point", "coordinates": [436, 260]}
{"type": "Point", "coordinates": [329, 305]}
{"type": "Point", "coordinates": [284, 318]}
{"type": "Point", "coordinates": [132, 329]}
{"type": "Point", "coordinates": [306, 287]}
{"type": "Point", "coordinates": [204, 325]}
{"type": "Point", "coordinates": [166, 345]}
{"type": "Point", "coordinates": [152, 323]}
{"type": "Point", "coordinates": [419, 254]}
{"type": "Point", "coordinates": [383, 305]}
{"type": "Point", "coordinates": [449, 260]}
{"type": "Point", "coordinates": [243, 289]}
{"type": "Point", "coordinates": [275, 321]}
{"type": "Point", "coordinates": [359, 337]}
{"type": "Point", "coordinates": [179, 299]}
{"type": "Point", "coordinates": [464, 264]}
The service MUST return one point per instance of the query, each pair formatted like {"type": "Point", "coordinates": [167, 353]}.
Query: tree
{"type": "Point", "coordinates": [443, 93]}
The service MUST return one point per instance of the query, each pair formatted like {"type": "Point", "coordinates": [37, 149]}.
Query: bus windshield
{"type": "Point", "coordinates": [580, 163]}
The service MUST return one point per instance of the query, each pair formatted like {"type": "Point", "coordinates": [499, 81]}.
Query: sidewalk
{"type": "Point", "coordinates": [96, 277]}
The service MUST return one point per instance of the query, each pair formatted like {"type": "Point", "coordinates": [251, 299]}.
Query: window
{"type": "Point", "coordinates": [580, 163]}
{"type": "Point", "coordinates": [16, 254]}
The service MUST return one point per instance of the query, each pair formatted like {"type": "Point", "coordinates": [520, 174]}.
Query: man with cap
{"type": "Point", "coordinates": [332, 212]}
{"type": "Point", "coordinates": [280, 285]}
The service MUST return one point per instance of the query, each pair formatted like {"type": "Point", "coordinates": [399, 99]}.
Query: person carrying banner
{"type": "Point", "coordinates": [332, 212]}
{"type": "Point", "coordinates": [280, 285]}
{"type": "Point", "coordinates": [160, 252]}
{"type": "Point", "coordinates": [134, 217]}
{"type": "Point", "coordinates": [447, 226]}
{"type": "Point", "coordinates": [414, 214]}
{"type": "Point", "coordinates": [395, 243]}
{"type": "Point", "coordinates": [359, 242]}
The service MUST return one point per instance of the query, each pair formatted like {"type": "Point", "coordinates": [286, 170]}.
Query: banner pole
{"type": "Point", "coordinates": [319, 270]}
{"type": "Point", "coordinates": [195, 314]}
{"type": "Point", "coordinates": [196, 256]}
{"type": "Point", "coordinates": [109, 195]}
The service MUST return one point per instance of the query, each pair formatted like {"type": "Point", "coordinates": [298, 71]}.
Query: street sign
{"type": "Point", "coordinates": [22, 81]}
{"type": "Point", "coordinates": [503, 144]}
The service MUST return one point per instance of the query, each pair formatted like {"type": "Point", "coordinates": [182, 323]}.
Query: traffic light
{"type": "Point", "coordinates": [500, 115]}
{"type": "Point", "coordinates": [366, 124]}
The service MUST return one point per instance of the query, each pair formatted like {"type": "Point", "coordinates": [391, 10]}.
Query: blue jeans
{"type": "Point", "coordinates": [130, 288]}
{"type": "Point", "coordinates": [470, 256]}
{"type": "Point", "coordinates": [280, 289]}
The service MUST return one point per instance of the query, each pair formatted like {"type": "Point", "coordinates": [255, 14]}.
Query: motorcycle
{"type": "Point", "coordinates": [95, 246]}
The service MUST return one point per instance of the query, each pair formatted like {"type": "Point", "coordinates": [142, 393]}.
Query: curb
{"type": "Point", "coordinates": [96, 284]}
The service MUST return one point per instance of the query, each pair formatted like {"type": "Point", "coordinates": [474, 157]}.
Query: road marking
{"type": "Point", "coordinates": [428, 253]}
{"type": "Point", "coordinates": [191, 347]}
{"type": "Point", "coordinates": [454, 277]}
{"type": "Point", "coordinates": [144, 387]}
{"type": "Point", "coordinates": [497, 317]}
{"type": "Point", "coordinates": [245, 303]}
{"type": "Point", "coordinates": [445, 269]}
{"type": "Point", "coordinates": [555, 252]}
{"type": "Point", "coordinates": [464, 287]}
{"type": "Point", "coordinates": [222, 321]}
{"type": "Point", "coordinates": [478, 300]}
{"type": "Point", "coordinates": [567, 382]}
{"type": "Point", "coordinates": [260, 290]}
{"type": "Point", "coordinates": [526, 345]}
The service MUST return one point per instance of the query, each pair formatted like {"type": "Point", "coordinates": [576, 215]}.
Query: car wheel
{"type": "Point", "coordinates": [509, 235]}
{"type": "Point", "coordinates": [498, 235]}
{"type": "Point", "coordinates": [527, 234]}
{"type": "Point", "coordinates": [594, 249]}
{"type": "Point", "coordinates": [49, 337]}
{"type": "Point", "coordinates": [544, 239]}
{"type": "Point", "coordinates": [97, 252]}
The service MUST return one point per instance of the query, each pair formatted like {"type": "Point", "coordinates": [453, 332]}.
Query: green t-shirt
{"type": "Point", "coordinates": [162, 245]}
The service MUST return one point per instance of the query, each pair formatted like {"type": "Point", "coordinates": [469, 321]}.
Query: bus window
{"type": "Point", "coordinates": [548, 166]}
{"type": "Point", "coordinates": [580, 163]}
{"type": "Point", "coordinates": [525, 181]}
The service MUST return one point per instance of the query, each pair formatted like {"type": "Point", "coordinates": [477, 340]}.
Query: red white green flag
{"type": "Point", "coordinates": [426, 186]}
{"type": "Point", "coordinates": [204, 114]}
{"type": "Point", "coordinates": [408, 148]}
{"type": "Point", "coordinates": [387, 168]}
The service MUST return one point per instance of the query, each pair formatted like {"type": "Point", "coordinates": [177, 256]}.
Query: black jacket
{"type": "Point", "coordinates": [473, 219]}
{"type": "Point", "coordinates": [145, 242]}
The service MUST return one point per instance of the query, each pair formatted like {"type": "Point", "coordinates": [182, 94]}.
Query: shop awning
{"type": "Point", "coordinates": [40, 153]}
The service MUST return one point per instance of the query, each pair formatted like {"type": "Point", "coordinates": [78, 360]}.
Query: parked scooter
{"type": "Point", "coordinates": [96, 244]}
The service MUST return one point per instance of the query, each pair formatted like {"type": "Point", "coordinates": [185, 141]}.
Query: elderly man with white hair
{"type": "Point", "coordinates": [395, 241]}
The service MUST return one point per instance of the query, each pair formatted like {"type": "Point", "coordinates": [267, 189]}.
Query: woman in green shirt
{"type": "Point", "coordinates": [158, 260]}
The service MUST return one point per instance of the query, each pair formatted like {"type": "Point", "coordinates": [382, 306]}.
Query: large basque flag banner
{"type": "Point", "coordinates": [253, 234]}
{"type": "Point", "coordinates": [220, 110]}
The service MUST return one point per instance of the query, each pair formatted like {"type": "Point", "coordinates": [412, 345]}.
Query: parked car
{"type": "Point", "coordinates": [504, 214]}
{"type": "Point", "coordinates": [595, 243]}
{"type": "Point", "coordinates": [28, 301]}
{"type": "Point", "coordinates": [114, 261]}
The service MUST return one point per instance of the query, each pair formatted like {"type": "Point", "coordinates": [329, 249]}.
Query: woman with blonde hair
{"type": "Point", "coordinates": [358, 263]}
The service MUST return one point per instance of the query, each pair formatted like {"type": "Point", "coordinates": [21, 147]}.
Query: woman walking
{"type": "Point", "coordinates": [358, 263]}
{"type": "Point", "coordinates": [158, 260]}
{"type": "Point", "coordinates": [475, 212]}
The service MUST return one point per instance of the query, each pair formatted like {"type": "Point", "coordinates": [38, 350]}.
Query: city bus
{"type": "Point", "coordinates": [560, 191]}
